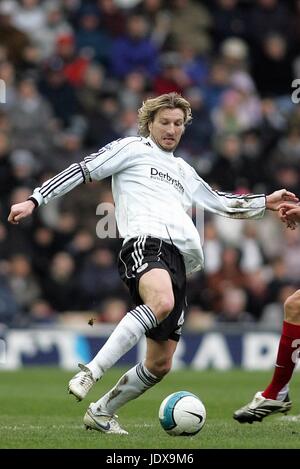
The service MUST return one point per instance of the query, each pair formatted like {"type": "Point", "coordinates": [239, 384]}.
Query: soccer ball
{"type": "Point", "coordinates": [182, 413]}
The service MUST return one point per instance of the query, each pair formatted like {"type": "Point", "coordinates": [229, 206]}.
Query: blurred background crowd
{"type": "Point", "coordinates": [75, 74]}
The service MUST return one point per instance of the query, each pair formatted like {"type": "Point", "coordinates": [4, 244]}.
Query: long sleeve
{"type": "Point", "coordinates": [110, 159]}
{"type": "Point", "coordinates": [59, 185]}
{"type": "Point", "coordinates": [225, 204]}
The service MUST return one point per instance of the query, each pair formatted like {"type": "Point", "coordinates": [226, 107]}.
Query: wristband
{"type": "Point", "coordinates": [34, 201]}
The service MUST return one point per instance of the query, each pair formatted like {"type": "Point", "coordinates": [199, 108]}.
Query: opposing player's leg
{"type": "Point", "coordinates": [275, 397]}
{"type": "Point", "coordinates": [101, 414]}
{"type": "Point", "coordinates": [155, 288]}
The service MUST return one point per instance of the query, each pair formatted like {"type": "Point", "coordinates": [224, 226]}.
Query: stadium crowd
{"type": "Point", "coordinates": [75, 73]}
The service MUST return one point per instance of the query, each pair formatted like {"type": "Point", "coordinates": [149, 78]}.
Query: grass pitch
{"type": "Point", "coordinates": [37, 412]}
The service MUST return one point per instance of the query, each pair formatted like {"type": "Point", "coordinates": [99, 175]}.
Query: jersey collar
{"type": "Point", "coordinates": [169, 154]}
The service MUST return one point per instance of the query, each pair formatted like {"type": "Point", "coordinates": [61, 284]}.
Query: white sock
{"type": "Point", "coordinates": [283, 393]}
{"type": "Point", "coordinates": [127, 333]}
{"type": "Point", "coordinates": [130, 386]}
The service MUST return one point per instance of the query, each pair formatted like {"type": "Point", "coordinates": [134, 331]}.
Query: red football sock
{"type": "Point", "coordinates": [286, 359]}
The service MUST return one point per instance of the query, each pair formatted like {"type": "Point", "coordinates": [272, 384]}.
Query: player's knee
{"type": "Point", "coordinates": [160, 367]}
{"type": "Point", "coordinates": [292, 307]}
{"type": "Point", "coordinates": [163, 307]}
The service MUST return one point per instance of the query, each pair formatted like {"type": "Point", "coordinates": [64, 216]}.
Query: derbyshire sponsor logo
{"type": "Point", "coordinates": [155, 174]}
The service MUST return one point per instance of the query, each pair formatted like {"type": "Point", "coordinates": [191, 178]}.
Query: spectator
{"type": "Point", "coordinates": [229, 273]}
{"type": "Point", "coordinates": [135, 86]}
{"type": "Point", "coordinates": [13, 39]}
{"type": "Point", "coordinates": [44, 248]}
{"type": "Point", "coordinates": [29, 16]}
{"type": "Point", "coordinates": [197, 138]}
{"type": "Point", "coordinates": [24, 167]}
{"type": "Point", "coordinates": [233, 306]}
{"type": "Point", "coordinates": [172, 77]}
{"type": "Point", "coordinates": [249, 107]}
{"type": "Point", "coordinates": [158, 18]}
{"type": "Point", "coordinates": [257, 293]}
{"type": "Point", "coordinates": [55, 25]}
{"type": "Point", "coordinates": [218, 82]}
{"type": "Point", "coordinates": [60, 285]}
{"type": "Point", "coordinates": [272, 66]}
{"type": "Point", "coordinates": [22, 281]}
{"type": "Point", "coordinates": [31, 115]}
{"type": "Point", "coordinates": [268, 16]}
{"type": "Point", "coordinates": [81, 246]}
{"type": "Point", "coordinates": [134, 52]}
{"type": "Point", "coordinates": [74, 65]}
{"type": "Point", "coordinates": [90, 39]}
{"type": "Point", "coordinates": [99, 278]}
{"type": "Point", "coordinates": [192, 21]}
{"type": "Point", "coordinates": [291, 255]}
{"type": "Point", "coordinates": [227, 170]}
{"type": "Point", "coordinates": [252, 256]}
{"type": "Point", "coordinates": [113, 18]}
{"type": "Point", "coordinates": [60, 94]}
{"type": "Point", "coordinates": [230, 18]}
{"type": "Point", "coordinates": [41, 313]}
{"type": "Point", "coordinates": [234, 52]}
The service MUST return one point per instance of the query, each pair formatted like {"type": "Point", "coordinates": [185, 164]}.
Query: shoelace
{"type": "Point", "coordinates": [86, 381]}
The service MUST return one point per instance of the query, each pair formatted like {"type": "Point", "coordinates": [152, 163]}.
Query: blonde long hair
{"type": "Point", "coordinates": [151, 106]}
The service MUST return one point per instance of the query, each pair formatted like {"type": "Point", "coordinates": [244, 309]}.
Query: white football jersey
{"type": "Point", "coordinates": [153, 192]}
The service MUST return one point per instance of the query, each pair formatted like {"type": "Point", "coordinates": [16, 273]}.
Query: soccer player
{"type": "Point", "coordinates": [275, 398]}
{"type": "Point", "coordinates": [152, 190]}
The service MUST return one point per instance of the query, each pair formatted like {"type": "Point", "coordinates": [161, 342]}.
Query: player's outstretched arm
{"type": "Point", "coordinates": [110, 159]}
{"type": "Point", "coordinates": [274, 200]}
{"type": "Point", "coordinates": [20, 211]}
{"type": "Point", "coordinates": [235, 205]}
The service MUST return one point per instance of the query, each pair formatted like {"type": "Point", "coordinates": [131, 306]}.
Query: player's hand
{"type": "Point", "coordinates": [20, 211]}
{"type": "Point", "coordinates": [289, 214]}
{"type": "Point", "coordinates": [274, 200]}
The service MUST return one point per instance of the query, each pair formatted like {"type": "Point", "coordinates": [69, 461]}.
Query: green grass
{"type": "Point", "coordinates": [36, 412]}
